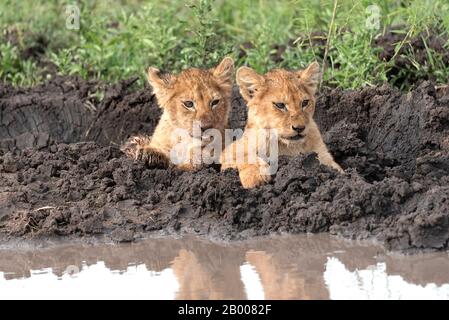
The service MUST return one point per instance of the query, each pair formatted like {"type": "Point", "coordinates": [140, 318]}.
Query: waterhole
{"type": "Point", "coordinates": [282, 267]}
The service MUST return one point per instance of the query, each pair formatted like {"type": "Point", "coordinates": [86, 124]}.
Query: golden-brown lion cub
{"type": "Point", "coordinates": [193, 97]}
{"type": "Point", "coordinates": [280, 100]}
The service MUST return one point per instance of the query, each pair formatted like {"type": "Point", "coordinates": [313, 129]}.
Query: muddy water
{"type": "Point", "coordinates": [282, 267]}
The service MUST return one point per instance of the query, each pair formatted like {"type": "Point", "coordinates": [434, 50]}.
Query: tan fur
{"type": "Point", "coordinates": [290, 88]}
{"type": "Point", "coordinates": [196, 85]}
{"type": "Point", "coordinates": [206, 272]}
{"type": "Point", "coordinates": [277, 280]}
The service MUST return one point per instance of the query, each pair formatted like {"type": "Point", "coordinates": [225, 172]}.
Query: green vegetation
{"type": "Point", "coordinates": [118, 39]}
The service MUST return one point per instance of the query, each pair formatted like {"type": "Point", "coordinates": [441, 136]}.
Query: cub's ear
{"type": "Point", "coordinates": [159, 81]}
{"type": "Point", "coordinates": [310, 77]}
{"type": "Point", "coordinates": [223, 72]}
{"type": "Point", "coordinates": [249, 81]}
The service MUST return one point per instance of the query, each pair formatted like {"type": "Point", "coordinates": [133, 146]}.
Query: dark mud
{"type": "Point", "coordinates": [61, 173]}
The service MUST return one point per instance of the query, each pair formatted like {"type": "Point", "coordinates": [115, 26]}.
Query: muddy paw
{"type": "Point", "coordinates": [155, 159]}
{"type": "Point", "coordinates": [336, 166]}
{"type": "Point", "coordinates": [135, 146]}
{"type": "Point", "coordinates": [251, 176]}
{"type": "Point", "coordinates": [138, 149]}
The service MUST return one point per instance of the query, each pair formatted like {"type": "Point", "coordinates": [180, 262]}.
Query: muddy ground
{"type": "Point", "coordinates": [62, 174]}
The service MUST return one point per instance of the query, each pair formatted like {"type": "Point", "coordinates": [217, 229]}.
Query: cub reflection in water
{"type": "Point", "coordinates": [211, 275]}
{"type": "Point", "coordinates": [277, 283]}
{"type": "Point", "coordinates": [206, 274]}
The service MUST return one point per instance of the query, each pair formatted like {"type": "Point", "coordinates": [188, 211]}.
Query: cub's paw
{"type": "Point", "coordinates": [331, 163]}
{"type": "Point", "coordinates": [134, 147]}
{"type": "Point", "coordinates": [326, 159]}
{"type": "Point", "coordinates": [138, 149]}
{"type": "Point", "coordinates": [252, 176]}
{"type": "Point", "coordinates": [337, 167]}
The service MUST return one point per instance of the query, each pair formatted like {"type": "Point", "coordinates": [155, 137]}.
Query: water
{"type": "Point", "coordinates": [283, 267]}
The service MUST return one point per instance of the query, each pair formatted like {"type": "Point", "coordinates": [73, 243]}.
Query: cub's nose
{"type": "Point", "coordinates": [299, 129]}
{"type": "Point", "coordinates": [206, 127]}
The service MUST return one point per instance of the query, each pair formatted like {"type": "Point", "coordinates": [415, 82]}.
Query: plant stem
{"type": "Point", "coordinates": [328, 41]}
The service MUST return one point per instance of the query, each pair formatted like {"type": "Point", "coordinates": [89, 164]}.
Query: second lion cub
{"type": "Point", "coordinates": [284, 101]}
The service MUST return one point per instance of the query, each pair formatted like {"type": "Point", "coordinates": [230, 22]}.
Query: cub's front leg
{"type": "Point", "coordinates": [325, 157]}
{"type": "Point", "coordinates": [254, 175]}
{"type": "Point", "coordinates": [251, 174]}
{"type": "Point", "coordinates": [139, 148]}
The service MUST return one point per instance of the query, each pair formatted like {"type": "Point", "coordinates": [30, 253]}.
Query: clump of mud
{"type": "Point", "coordinates": [62, 174]}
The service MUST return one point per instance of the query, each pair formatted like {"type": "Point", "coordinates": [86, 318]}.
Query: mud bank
{"type": "Point", "coordinates": [63, 175]}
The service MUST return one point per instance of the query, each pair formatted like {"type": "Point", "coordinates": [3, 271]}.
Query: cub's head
{"type": "Point", "coordinates": [195, 95]}
{"type": "Point", "coordinates": [280, 99]}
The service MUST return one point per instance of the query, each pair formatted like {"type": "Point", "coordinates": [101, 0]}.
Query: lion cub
{"type": "Point", "coordinates": [195, 97]}
{"type": "Point", "coordinates": [280, 100]}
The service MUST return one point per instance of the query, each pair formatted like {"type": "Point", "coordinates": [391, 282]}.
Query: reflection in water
{"type": "Point", "coordinates": [276, 284]}
{"type": "Point", "coordinates": [251, 281]}
{"type": "Point", "coordinates": [375, 283]}
{"type": "Point", "coordinates": [132, 283]}
{"type": "Point", "coordinates": [284, 267]}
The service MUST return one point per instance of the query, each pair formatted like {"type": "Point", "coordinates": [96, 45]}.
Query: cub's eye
{"type": "Point", "coordinates": [305, 103]}
{"type": "Point", "coordinates": [214, 103]}
{"type": "Point", "coordinates": [280, 105]}
{"type": "Point", "coordinates": [189, 104]}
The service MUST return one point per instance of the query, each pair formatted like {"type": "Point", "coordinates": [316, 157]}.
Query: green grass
{"type": "Point", "coordinates": [14, 69]}
{"type": "Point", "coordinates": [119, 39]}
